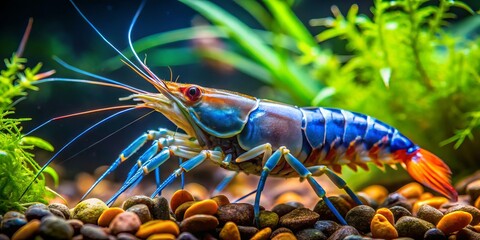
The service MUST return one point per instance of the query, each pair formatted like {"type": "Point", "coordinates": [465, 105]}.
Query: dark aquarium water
{"type": "Point", "coordinates": [393, 87]}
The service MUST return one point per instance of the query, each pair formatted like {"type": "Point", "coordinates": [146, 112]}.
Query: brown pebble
{"type": "Point", "coordinates": [382, 227]}
{"type": "Point", "coordinates": [157, 226]}
{"type": "Point", "coordinates": [221, 200]}
{"type": "Point", "coordinates": [125, 222]}
{"type": "Point", "coordinates": [376, 192]}
{"type": "Point", "coordinates": [263, 234]}
{"type": "Point", "coordinates": [477, 203]}
{"type": "Point", "coordinates": [411, 190]}
{"type": "Point", "coordinates": [454, 221]}
{"type": "Point", "coordinates": [239, 213]}
{"type": "Point", "coordinates": [162, 236]}
{"type": "Point", "coordinates": [108, 215]}
{"type": "Point", "coordinates": [180, 210]}
{"type": "Point", "coordinates": [412, 227]}
{"type": "Point", "coordinates": [138, 199]}
{"type": "Point", "coordinates": [284, 236]}
{"type": "Point", "coordinates": [142, 211]}
{"type": "Point", "coordinates": [161, 209]}
{"type": "Point", "coordinates": [180, 197]}
{"type": "Point", "coordinates": [91, 231]}
{"type": "Point", "coordinates": [280, 230]}
{"type": "Point", "coordinates": [338, 202]}
{"type": "Point", "coordinates": [467, 234]}
{"type": "Point", "coordinates": [360, 217]}
{"type": "Point", "coordinates": [299, 218]}
{"type": "Point", "coordinates": [473, 189]}
{"type": "Point", "coordinates": [387, 214]}
{"type": "Point", "coordinates": [247, 232]}
{"type": "Point", "coordinates": [282, 209]}
{"type": "Point", "coordinates": [60, 207]}
{"type": "Point", "coordinates": [230, 232]}
{"type": "Point", "coordinates": [126, 236]}
{"type": "Point", "coordinates": [399, 211]}
{"type": "Point", "coordinates": [207, 206]}
{"type": "Point", "coordinates": [27, 231]}
{"type": "Point", "coordinates": [429, 214]}
{"type": "Point", "coordinates": [396, 199]}
{"type": "Point", "coordinates": [199, 223]}
{"type": "Point", "coordinates": [435, 202]}
{"type": "Point", "coordinates": [343, 232]}
{"type": "Point", "coordinates": [58, 213]}
{"type": "Point", "coordinates": [76, 225]}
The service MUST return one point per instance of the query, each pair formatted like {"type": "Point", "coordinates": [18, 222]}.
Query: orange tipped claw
{"type": "Point", "coordinates": [429, 170]}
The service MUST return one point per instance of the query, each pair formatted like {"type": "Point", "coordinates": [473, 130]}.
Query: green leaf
{"type": "Point", "coordinates": [290, 23]}
{"type": "Point", "coordinates": [462, 5]}
{"type": "Point", "coordinates": [37, 142]}
{"type": "Point", "coordinates": [50, 171]}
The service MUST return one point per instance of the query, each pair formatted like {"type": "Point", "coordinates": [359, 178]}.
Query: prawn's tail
{"type": "Point", "coordinates": [429, 170]}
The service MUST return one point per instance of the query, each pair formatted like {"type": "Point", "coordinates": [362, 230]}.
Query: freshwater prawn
{"type": "Point", "coordinates": [242, 133]}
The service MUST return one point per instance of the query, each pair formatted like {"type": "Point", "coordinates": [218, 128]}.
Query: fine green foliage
{"type": "Point", "coordinates": [16, 161]}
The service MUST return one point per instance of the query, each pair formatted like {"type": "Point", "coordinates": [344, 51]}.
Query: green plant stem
{"type": "Point", "coordinates": [414, 32]}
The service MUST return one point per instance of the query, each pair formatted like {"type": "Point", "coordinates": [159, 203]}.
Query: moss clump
{"type": "Point", "coordinates": [17, 163]}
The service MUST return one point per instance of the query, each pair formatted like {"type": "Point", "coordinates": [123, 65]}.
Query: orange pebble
{"type": "Point", "coordinates": [263, 234]}
{"type": "Point", "coordinates": [435, 202]}
{"type": "Point", "coordinates": [411, 190]}
{"type": "Point", "coordinates": [376, 192]}
{"type": "Point", "coordinates": [230, 232]}
{"type": "Point", "coordinates": [382, 228]}
{"type": "Point", "coordinates": [179, 197]}
{"type": "Point", "coordinates": [107, 216]}
{"type": "Point", "coordinates": [477, 228]}
{"type": "Point", "coordinates": [477, 203]}
{"type": "Point", "coordinates": [27, 231]}
{"type": "Point", "coordinates": [288, 197]}
{"type": "Point", "coordinates": [158, 227]}
{"type": "Point", "coordinates": [454, 221]}
{"type": "Point", "coordinates": [208, 207]}
{"type": "Point", "coordinates": [284, 236]}
{"type": "Point", "coordinates": [162, 236]}
{"type": "Point", "coordinates": [425, 196]}
{"type": "Point", "coordinates": [387, 214]}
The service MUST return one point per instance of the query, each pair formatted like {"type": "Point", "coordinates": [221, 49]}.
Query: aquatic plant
{"type": "Point", "coordinates": [16, 160]}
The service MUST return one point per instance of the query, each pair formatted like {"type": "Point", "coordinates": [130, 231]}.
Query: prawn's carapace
{"type": "Point", "coordinates": [429, 170]}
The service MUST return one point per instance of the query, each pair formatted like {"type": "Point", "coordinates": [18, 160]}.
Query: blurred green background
{"type": "Point", "coordinates": [412, 64]}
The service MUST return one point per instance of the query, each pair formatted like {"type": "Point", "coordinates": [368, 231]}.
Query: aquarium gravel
{"type": "Point", "coordinates": [408, 213]}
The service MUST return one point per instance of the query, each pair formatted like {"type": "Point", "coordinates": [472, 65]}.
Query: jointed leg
{"type": "Point", "coordinates": [272, 162]}
{"type": "Point", "coordinates": [186, 166]}
{"type": "Point", "coordinates": [305, 173]}
{"type": "Point", "coordinates": [137, 144]}
{"type": "Point", "coordinates": [337, 180]}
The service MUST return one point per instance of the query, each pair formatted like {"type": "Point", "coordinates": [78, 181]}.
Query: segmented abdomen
{"type": "Point", "coordinates": [338, 137]}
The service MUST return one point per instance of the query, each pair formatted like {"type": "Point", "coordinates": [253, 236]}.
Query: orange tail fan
{"type": "Point", "coordinates": [429, 170]}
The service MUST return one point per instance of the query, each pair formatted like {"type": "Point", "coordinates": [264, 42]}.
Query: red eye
{"type": "Point", "coordinates": [193, 93]}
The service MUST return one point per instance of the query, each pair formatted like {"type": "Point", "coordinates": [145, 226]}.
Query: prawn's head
{"type": "Point", "coordinates": [201, 111]}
